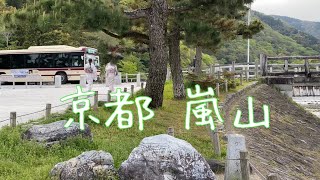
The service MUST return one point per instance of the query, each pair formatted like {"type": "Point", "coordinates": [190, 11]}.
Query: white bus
{"type": "Point", "coordinates": [48, 61]}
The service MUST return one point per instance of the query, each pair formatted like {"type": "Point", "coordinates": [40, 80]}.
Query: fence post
{"type": "Point", "coordinates": [247, 74]}
{"type": "Point", "coordinates": [286, 65]}
{"type": "Point", "coordinates": [263, 64]}
{"type": "Point", "coordinates": [14, 82]}
{"type": "Point", "coordinates": [142, 85]}
{"type": "Point", "coordinates": [13, 119]}
{"type": "Point", "coordinates": [132, 90]}
{"type": "Point", "coordinates": [317, 68]}
{"type": "Point", "coordinates": [218, 89]}
{"type": "Point", "coordinates": [127, 78]}
{"type": "Point", "coordinates": [95, 100]}
{"type": "Point", "coordinates": [138, 79]}
{"type": "Point", "coordinates": [48, 110]}
{"type": "Point", "coordinates": [273, 177]}
{"type": "Point", "coordinates": [214, 70]}
{"type": "Point", "coordinates": [245, 173]}
{"type": "Point", "coordinates": [119, 78]}
{"type": "Point", "coordinates": [257, 69]}
{"type": "Point", "coordinates": [241, 78]}
{"type": "Point", "coordinates": [226, 85]}
{"type": "Point", "coordinates": [170, 131]}
{"type": "Point", "coordinates": [218, 74]}
{"type": "Point", "coordinates": [216, 143]}
{"type": "Point", "coordinates": [233, 66]}
{"type": "Point", "coordinates": [214, 138]}
{"type": "Point", "coordinates": [109, 96]}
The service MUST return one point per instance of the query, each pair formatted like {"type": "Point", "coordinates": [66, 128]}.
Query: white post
{"type": "Point", "coordinates": [127, 78]}
{"type": "Point", "coordinates": [83, 81]}
{"type": "Point", "coordinates": [236, 144]}
{"type": "Point", "coordinates": [168, 74]}
{"type": "Point", "coordinates": [41, 83]}
{"type": "Point", "coordinates": [317, 68]}
{"type": "Point", "coordinates": [118, 79]}
{"type": "Point", "coordinates": [138, 80]}
{"type": "Point", "coordinates": [271, 69]}
{"type": "Point", "coordinates": [57, 81]}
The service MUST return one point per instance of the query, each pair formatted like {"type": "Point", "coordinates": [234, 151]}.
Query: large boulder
{"type": "Point", "coordinates": [88, 166]}
{"type": "Point", "coordinates": [55, 132]}
{"type": "Point", "coordinates": [164, 157]}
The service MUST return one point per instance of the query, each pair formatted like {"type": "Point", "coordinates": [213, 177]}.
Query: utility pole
{"type": "Point", "coordinates": [248, 53]}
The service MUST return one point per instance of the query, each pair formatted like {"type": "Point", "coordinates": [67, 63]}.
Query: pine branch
{"type": "Point", "coordinates": [137, 14]}
{"type": "Point", "coordinates": [136, 36]}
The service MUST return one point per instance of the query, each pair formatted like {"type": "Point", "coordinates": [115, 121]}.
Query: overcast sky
{"type": "Point", "coordinates": [300, 9]}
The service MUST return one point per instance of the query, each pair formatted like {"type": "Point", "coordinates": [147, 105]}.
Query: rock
{"type": "Point", "coordinates": [216, 166]}
{"type": "Point", "coordinates": [55, 132]}
{"type": "Point", "coordinates": [88, 166]}
{"type": "Point", "coordinates": [164, 157]}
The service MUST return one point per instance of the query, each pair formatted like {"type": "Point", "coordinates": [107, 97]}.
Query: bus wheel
{"type": "Point", "coordinates": [64, 77]}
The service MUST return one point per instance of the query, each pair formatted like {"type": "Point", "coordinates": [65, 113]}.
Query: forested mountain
{"type": "Point", "coordinates": [284, 28]}
{"type": "Point", "coordinates": [310, 27]}
{"type": "Point", "coordinates": [276, 39]}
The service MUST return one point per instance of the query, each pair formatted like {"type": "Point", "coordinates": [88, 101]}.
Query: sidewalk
{"type": "Point", "coordinates": [25, 101]}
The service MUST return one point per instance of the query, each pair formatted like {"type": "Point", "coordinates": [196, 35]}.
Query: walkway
{"type": "Point", "coordinates": [34, 99]}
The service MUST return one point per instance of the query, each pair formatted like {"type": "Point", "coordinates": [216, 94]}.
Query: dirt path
{"type": "Point", "coordinates": [291, 146]}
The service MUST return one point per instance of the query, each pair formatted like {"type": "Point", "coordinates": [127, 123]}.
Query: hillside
{"type": "Point", "coordinates": [312, 28]}
{"type": "Point", "coordinates": [269, 41]}
{"type": "Point", "coordinates": [303, 38]}
{"type": "Point", "coordinates": [291, 146]}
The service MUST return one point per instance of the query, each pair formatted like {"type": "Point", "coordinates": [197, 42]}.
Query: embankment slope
{"type": "Point", "coordinates": [291, 146]}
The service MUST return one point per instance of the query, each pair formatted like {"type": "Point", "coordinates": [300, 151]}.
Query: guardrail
{"type": "Point", "coordinates": [26, 80]}
{"type": "Point", "coordinates": [12, 120]}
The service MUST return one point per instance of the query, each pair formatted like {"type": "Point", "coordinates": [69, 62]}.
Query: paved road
{"type": "Point", "coordinates": [32, 99]}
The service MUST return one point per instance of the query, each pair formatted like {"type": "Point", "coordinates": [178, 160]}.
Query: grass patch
{"type": "Point", "coordinates": [21, 159]}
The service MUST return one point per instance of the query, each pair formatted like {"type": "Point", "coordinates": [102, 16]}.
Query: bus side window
{"type": "Point", "coordinates": [31, 61]}
{"type": "Point", "coordinates": [18, 61]}
{"type": "Point", "coordinates": [4, 62]}
{"type": "Point", "coordinates": [46, 61]}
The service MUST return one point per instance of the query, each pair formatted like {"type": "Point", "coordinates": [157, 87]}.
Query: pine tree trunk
{"type": "Point", "coordinates": [157, 19]}
{"type": "Point", "coordinates": [175, 65]}
{"type": "Point", "coordinates": [198, 70]}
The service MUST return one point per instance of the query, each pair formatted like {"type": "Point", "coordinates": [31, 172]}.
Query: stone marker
{"type": "Point", "coordinates": [55, 132]}
{"type": "Point", "coordinates": [236, 143]}
{"type": "Point", "coordinates": [89, 165]}
{"type": "Point", "coordinates": [164, 157]}
{"type": "Point", "coordinates": [57, 81]}
{"type": "Point", "coordinates": [83, 81]}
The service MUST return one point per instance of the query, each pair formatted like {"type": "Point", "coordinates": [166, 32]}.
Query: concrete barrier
{"type": "Point", "coordinates": [83, 81]}
{"type": "Point", "coordinates": [57, 81]}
